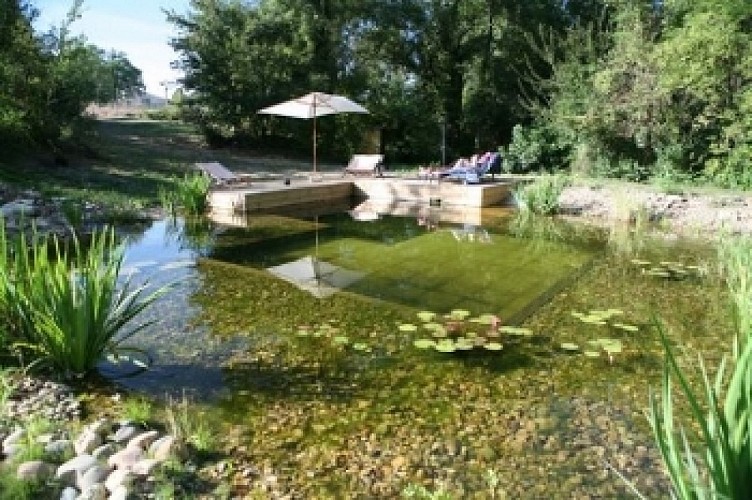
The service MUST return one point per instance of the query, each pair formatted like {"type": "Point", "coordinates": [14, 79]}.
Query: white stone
{"type": "Point", "coordinates": [125, 433]}
{"type": "Point", "coordinates": [126, 458]}
{"type": "Point", "coordinates": [16, 208]}
{"type": "Point", "coordinates": [95, 474]}
{"type": "Point", "coordinates": [104, 452]}
{"type": "Point", "coordinates": [162, 448]}
{"type": "Point", "coordinates": [87, 442]}
{"type": "Point", "coordinates": [144, 439]}
{"type": "Point", "coordinates": [145, 467]}
{"type": "Point", "coordinates": [118, 478]}
{"type": "Point", "coordinates": [69, 493]}
{"type": "Point", "coordinates": [35, 470]}
{"type": "Point", "coordinates": [120, 493]}
{"type": "Point", "coordinates": [13, 438]}
{"type": "Point", "coordinates": [59, 447]}
{"type": "Point", "coordinates": [12, 450]}
{"type": "Point", "coordinates": [80, 464]}
{"type": "Point", "coordinates": [94, 492]}
{"type": "Point", "coordinates": [101, 426]}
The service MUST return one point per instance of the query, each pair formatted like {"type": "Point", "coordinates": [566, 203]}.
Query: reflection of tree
{"type": "Point", "coordinates": [194, 233]}
{"type": "Point", "coordinates": [537, 227]}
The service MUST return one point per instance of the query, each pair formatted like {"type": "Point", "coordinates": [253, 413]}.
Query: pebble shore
{"type": "Point", "coordinates": [706, 215]}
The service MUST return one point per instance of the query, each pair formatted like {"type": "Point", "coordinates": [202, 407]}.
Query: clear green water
{"type": "Point", "coordinates": [367, 417]}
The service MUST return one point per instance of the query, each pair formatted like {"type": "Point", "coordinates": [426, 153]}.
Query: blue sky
{"type": "Point", "coordinates": [137, 27]}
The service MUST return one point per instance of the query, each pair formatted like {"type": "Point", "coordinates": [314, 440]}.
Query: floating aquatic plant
{"type": "Point", "coordinates": [669, 270]}
{"type": "Point", "coordinates": [603, 317]}
{"type": "Point", "coordinates": [332, 333]}
{"type": "Point", "coordinates": [460, 332]}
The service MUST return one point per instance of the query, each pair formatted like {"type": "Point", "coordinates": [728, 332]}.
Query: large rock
{"type": "Point", "coordinates": [35, 470]}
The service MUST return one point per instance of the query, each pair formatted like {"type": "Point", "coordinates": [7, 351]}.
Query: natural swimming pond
{"type": "Point", "coordinates": [312, 373]}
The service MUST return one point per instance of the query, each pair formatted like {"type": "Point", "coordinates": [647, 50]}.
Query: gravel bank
{"type": "Point", "coordinates": [693, 213]}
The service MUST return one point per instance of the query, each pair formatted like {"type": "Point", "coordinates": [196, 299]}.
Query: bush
{"type": "Point", "coordinates": [534, 149]}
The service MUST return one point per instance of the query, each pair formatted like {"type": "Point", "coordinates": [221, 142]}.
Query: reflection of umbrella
{"type": "Point", "coordinates": [316, 277]}
{"type": "Point", "coordinates": [313, 105]}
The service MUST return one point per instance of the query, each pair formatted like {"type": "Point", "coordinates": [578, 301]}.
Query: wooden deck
{"type": "Point", "coordinates": [264, 195]}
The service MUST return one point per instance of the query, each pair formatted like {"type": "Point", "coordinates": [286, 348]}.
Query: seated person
{"type": "Point", "coordinates": [465, 164]}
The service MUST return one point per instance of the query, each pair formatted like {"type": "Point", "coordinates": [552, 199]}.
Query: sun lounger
{"type": "Point", "coordinates": [219, 174]}
{"type": "Point", "coordinates": [365, 165]}
{"type": "Point", "coordinates": [473, 175]}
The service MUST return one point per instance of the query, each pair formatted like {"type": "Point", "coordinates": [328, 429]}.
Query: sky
{"type": "Point", "coordinates": [138, 28]}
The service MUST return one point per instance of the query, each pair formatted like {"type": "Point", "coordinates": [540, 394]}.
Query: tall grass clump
{"type": "Point", "coordinates": [188, 425]}
{"type": "Point", "coordinates": [714, 461]}
{"type": "Point", "coordinates": [67, 305]}
{"type": "Point", "coordinates": [189, 195]}
{"type": "Point", "coordinates": [735, 258]}
{"type": "Point", "coordinates": [541, 197]}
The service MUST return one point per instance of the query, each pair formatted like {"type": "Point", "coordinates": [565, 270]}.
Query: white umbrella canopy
{"type": "Point", "coordinates": [314, 105]}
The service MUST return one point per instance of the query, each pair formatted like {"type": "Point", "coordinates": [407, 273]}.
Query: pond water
{"type": "Point", "coordinates": [298, 335]}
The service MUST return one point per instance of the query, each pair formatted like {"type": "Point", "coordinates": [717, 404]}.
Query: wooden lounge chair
{"type": "Point", "coordinates": [365, 165]}
{"type": "Point", "coordinates": [219, 174]}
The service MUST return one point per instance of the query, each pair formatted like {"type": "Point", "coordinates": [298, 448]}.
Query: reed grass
{"type": "Point", "coordinates": [715, 461]}
{"type": "Point", "coordinates": [68, 306]}
{"type": "Point", "coordinates": [735, 259]}
{"type": "Point", "coordinates": [541, 197]}
{"type": "Point", "coordinates": [189, 195]}
{"type": "Point", "coordinates": [188, 425]}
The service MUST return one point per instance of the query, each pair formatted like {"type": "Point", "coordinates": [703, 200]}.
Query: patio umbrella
{"type": "Point", "coordinates": [314, 105]}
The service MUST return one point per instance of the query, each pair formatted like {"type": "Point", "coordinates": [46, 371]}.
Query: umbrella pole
{"type": "Point", "coordinates": [314, 135]}
{"type": "Point", "coordinates": [314, 143]}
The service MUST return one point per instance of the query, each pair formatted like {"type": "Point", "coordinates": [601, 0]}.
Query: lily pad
{"type": "Point", "coordinates": [516, 330]}
{"type": "Point", "coordinates": [593, 320]}
{"type": "Point", "coordinates": [569, 346]}
{"type": "Point", "coordinates": [640, 262]}
{"type": "Point", "coordinates": [464, 346]}
{"type": "Point", "coordinates": [612, 348]}
{"type": "Point", "coordinates": [627, 328]}
{"type": "Point", "coordinates": [426, 316]}
{"type": "Point", "coordinates": [485, 319]}
{"type": "Point", "coordinates": [360, 346]}
{"type": "Point", "coordinates": [493, 346]}
{"type": "Point", "coordinates": [341, 340]}
{"type": "Point", "coordinates": [445, 346]}
{"type": "Point", "coordinates": [408, 327]}
{"type": "Point", "coordinates": [424, 344]}
{"type": "Point", "coordinates": [591, 354]}
{"type": "Point", "coordinates": [459, 314]}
